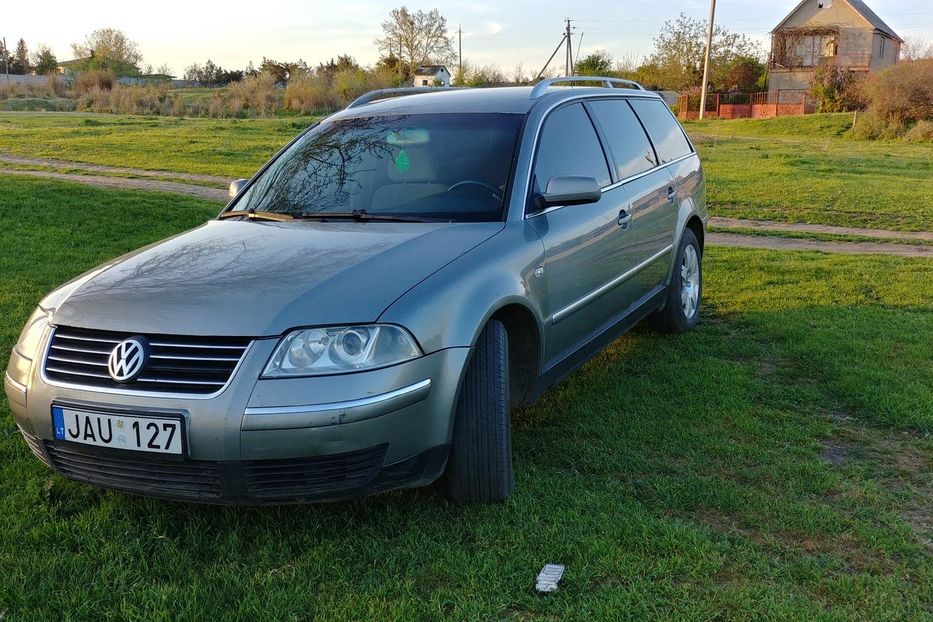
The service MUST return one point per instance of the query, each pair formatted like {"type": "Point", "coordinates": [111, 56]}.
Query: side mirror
{"type": "Point", "coordinates": [236, 186]}
{"type": "Point", "coordinates": [570, 191]}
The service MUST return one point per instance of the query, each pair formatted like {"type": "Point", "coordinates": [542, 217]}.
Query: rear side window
{"type": "Point", "coordinates": [664, 131]}
{"type": "Point", "coordinates": [630, 149]}
{"type": "Point", "coordinates": [569, 146]}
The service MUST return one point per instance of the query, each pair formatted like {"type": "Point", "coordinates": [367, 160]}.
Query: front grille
{"type": "Point", "coordinates": [313, 477]}
{"type": "Point", "coordinates": [198, 481]}
{"type": "Point", "coordinates": [177, 364]}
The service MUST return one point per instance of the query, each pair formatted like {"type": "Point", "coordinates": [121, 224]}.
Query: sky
{"type": "Point", "coordinates": [507, 33]}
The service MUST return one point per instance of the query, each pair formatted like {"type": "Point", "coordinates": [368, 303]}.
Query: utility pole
{"type": "Point", "coordinates": [569, 65]}
{"type": "Point", "coordinates": [568, 52]}
{"type": "Point", "coordinates": [6, 59]}
{"type": "Point", "coordinates": [460, 50]}
{"type": "Point", "coordinates": [709, 46]}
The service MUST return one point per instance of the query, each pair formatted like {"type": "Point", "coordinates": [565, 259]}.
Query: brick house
{"type": "Point", "coordinates": [841, 33]}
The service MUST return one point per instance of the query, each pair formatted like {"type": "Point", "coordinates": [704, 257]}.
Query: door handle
{"type": "Point", "coordinates": [624, 219]}
{"type": "Point", "coordinates": [671, 194]}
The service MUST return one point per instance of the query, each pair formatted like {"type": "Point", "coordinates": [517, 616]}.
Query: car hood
{"type": "Point", "coordinates": [261, 279]}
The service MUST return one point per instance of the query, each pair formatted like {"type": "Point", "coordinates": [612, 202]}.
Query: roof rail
{"type": "Point", "coordinates": [608, 83]}
{"type": "Point", "coordinates": [402, 90]}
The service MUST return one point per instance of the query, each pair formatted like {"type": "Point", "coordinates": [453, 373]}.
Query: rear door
{"type": "Point", "coordinates": [657, 219]}
{"type": "Point", "coordinates": [586, 248]}
{"type": "Point", "coordinates": [645, 184]}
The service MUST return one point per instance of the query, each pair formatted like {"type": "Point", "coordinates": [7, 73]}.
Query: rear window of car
{"type": "Point", "coordinates": [665, 132]}
{"type": "Point", "coordinates": [625, 137]}
{"type": "Point", "coordinates": [569, 146]}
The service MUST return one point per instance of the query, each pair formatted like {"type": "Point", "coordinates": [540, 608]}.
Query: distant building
{"type": "Point", "coordinates": [433, 75]}
{"type": "Point", "coordinates": [69, 67]}
{"type": "Point", "coordinates": [840, 33]}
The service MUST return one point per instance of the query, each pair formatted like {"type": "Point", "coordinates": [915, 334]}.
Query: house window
{"type": "Point", "coordinates": [424, 83]}
{"type": "Point", "coordinates": [881, 49]}
{"type": "Point", "coordinates": [825, 4]}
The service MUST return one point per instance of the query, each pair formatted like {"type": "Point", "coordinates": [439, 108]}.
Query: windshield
{"type": "Point", "coordinates": [430, 166]}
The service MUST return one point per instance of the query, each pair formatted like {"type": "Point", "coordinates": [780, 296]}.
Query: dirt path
{"type": "Point", "coordinates": [791, 244]}
{"type": "Point", "coordinates": [713, 238]}
{"type": "Point", "coordinates": [786, 227]}
{"type": "Point", "coordinates": [202, 192]}
{"type": "Point", "coordinates": [221, 182]}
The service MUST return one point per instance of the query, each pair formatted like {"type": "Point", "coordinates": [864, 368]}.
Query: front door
{"type": "Point", "coordinates": [587, 246]}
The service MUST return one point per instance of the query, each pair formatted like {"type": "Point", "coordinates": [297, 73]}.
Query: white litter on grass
{"type": "Point", "coordinates": [548, 577]}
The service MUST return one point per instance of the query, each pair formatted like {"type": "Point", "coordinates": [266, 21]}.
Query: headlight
{"type": "Point", "coordinates": [27, 347]}
{"type": "Point", "coordinates": [30, 340]}
{"type": "Point", "coordinates": [318, 351]}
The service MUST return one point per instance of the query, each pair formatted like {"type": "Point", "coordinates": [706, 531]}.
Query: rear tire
{"type": "Point", "coordinates": [480, 463]}
{"type": "Point", "coordinates": [682, 307]}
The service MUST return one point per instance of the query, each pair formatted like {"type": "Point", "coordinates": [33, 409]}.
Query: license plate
{"type": "Point", "coordinates": [162, 435]}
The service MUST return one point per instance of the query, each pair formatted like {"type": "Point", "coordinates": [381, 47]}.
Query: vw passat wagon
{"type": "Point", "coordinates": [370, 305]}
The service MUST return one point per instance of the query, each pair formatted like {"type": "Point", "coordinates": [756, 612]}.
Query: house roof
{"type": "Point", "coordinates": [75, 61]}
{"type": "Point", "coordinates": [872, 18]}
{"type": "Point", "coordinates": [862, 9]}
{"type": "Point", "coordinates": [430, 70]}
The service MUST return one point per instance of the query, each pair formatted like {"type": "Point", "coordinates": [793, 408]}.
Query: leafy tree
{"type": "Point", "coordinates": [680, 47]}
{"type": "Point", "coordinates": [109, 49]}
{"type": "Point", "coordinates": [19, 63]}
{"type": "Point", "coordinates": [44, 61]}
{"type": "Point", "coordinates": [283, 71]}
{"type": "Point", "coordinates": [599, 63]}
{"type": "Point", "coordinates": [743, 74]}
{"type": "Point", "coordinates": [211, 74]}
{"type": "Point", "coordinates": [417, 38]}
{"type": "Point", "coordinates": [344, 62]}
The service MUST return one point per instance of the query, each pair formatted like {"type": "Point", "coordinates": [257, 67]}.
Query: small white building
{"type": "Point", "coordinates": [433, 75]}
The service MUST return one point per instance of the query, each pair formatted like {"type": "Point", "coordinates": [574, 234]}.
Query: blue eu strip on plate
{"type": "Point", "coordinates": [58, 419]}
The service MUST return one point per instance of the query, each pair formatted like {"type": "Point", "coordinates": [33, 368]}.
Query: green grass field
{"type": "Point", "coordinates": [772, 464]}
{"type": "Point", "coordinates": [793, 169]}
{"type": "Point", "coordinates": [231, 147]}
{"type": "Point", "coordinates": [805, 169]}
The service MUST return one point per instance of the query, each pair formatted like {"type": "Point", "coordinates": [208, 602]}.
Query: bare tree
{"type": "Point", "coordinates": [417, 38]}
{"type": "Point", "coordinates": [916, 48]}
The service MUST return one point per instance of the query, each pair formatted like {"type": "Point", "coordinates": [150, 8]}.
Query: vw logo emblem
{"type": "Point", "coordinates": [127, 359]}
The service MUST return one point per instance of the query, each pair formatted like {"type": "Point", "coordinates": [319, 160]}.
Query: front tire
{"type": "Point", "coordinates": [682, 307]}
{"type": "Point", "coordinates": [480, 463]}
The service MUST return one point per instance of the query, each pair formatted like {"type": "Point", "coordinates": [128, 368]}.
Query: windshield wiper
{"type": "Point", "coordinates": [360, 215]}
{"type": "Point", "coordinates": [274, 216]}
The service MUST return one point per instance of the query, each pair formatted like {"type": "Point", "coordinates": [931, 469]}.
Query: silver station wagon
{"type": "Point", "coordinates": [370, 305]}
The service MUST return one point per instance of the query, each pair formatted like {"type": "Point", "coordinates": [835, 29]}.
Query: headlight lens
{"type": "Point", "coordinates": [319, 351]}
{"type": "Point", "coordinates": [30, 340]}
{"type": "Point", "coordinates": [27, 347]}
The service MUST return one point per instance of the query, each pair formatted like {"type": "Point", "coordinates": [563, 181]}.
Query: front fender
{"type": "Point", "coordinates": [450, 308]}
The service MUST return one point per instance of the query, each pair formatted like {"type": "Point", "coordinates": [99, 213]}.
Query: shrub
{"type": "Point", "coordinates": [308, 93]}
{"type": "Point", "coordinates": [902, 93]}
{"type": "Point", "coordinates": [257, 93]}
{"type": "Point", "coordinates": [54, 85]}
{"type": "Point", "coordinates": [99, 79]}
{"type": "Point", "coordinates": [922, 131]}
{"type": "Point", "coordinates": [836, 90]}
{"type": "Point", "coordinates": [900, 102]}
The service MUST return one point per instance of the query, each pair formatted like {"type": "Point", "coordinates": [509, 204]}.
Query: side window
{"type": "Point", "coordinates": [665, 133]}
{"type": "Point", "coordinates": [568, 145]}
{"type": "Point", "coordinates": [627, 142]}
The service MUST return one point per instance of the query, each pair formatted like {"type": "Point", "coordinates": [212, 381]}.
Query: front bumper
{"type": "Point", "coordinates": [268, 441]}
